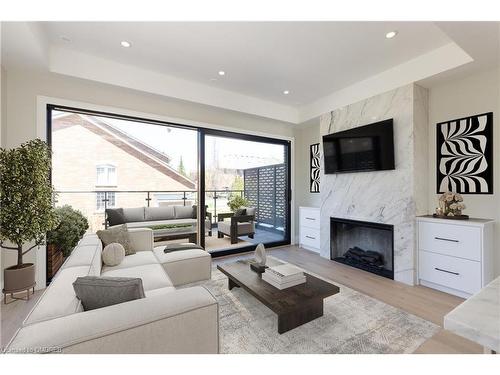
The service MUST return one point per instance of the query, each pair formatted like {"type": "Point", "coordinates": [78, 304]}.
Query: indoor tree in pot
{"type": "Point", "coordinates": [26, 210]}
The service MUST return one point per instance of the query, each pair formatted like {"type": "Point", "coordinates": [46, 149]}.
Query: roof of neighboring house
{"type": "Point", "coordinates": [133, 146]}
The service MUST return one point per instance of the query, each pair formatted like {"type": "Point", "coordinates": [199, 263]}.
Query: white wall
{"type": "Point", "coordinates": [21, 88]}
{"type": "Point", "coordinates": [472, 95]}
{"type": "Point", "coordinates": [305, 135]}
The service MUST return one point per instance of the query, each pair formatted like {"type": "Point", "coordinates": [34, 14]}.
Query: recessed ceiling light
{"type": "Point", "coordinates": [125, 44]}
{"type": "Point", "coordinates": [391, 34]}
{"type": "Point", "coordinates": [286, 92]}
{"type": "Point", "coordinates": [221, 72]}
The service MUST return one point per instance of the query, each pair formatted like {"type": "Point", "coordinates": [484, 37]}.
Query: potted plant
{"type": "Point", "coordinates": [63, 238]}
{"type": "Point", "coordinates": [236, 202]}
{"type": "Point", "coordinates": [26, 210]}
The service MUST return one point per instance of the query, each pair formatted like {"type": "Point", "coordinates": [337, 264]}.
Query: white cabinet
{"type": "Point", "coordinates": [455, 256]}
{"type": "Point", "coordinates": [309, 228]}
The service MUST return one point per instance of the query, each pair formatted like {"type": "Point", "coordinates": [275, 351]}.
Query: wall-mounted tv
{"type": "Point", "coordinates": [361, 149]}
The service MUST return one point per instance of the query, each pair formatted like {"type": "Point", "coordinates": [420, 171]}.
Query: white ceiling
{"type": "Point", "coordinates": [314, 60]}
{"type": "Point", "coordinates": [261, 59]}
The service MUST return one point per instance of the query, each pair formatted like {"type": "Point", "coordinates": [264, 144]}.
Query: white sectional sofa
{"type": "Point", "coordinates": [167, 320]}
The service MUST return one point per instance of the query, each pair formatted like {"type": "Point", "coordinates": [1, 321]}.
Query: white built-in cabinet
{"type": "Point", "coordinates": [309, 228]}
{"type": "Point", "coordinates": [455, 256]}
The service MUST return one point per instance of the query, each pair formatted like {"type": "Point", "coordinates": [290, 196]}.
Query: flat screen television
{"type": "Point", "coordinates": [361, 149]}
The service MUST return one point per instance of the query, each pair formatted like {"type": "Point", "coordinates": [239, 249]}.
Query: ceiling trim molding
{"type": "Point", "coordinates": [434, 62]}
{"type": "Point", "coordinates": [81, 65]}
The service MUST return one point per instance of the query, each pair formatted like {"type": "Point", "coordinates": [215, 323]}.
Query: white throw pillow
{"type": "Point", "coordinates": [113, 254]}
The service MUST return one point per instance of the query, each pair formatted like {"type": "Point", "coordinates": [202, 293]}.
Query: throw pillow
{"type": "Point", "coordinates": [118, 234]}
{"type": "Point", "coordinates": [113, 254]}
{"type": "Point", "coordinates": [240, 212]}
{"type": "Point", "coordinates": [115, 216]}
{"type": "Point", "coordinates": [96, 292]}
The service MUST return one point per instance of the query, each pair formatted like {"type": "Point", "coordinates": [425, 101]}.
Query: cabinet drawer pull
{"type": "Point", "coordinates": [312, 238]}
{"type": "Point", "coordinates": [311, 218]}
{"type": "Point", "coordinates": [445, 239]}
{"type": "Point", "coordinates": [439, 269]}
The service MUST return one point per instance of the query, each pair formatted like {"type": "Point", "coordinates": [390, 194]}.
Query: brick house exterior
{"type": "Point", "coordinates": [90, 155]}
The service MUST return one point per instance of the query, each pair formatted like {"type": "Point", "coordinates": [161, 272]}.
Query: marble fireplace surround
{"type": "Point", "coordinates": [390, 197]}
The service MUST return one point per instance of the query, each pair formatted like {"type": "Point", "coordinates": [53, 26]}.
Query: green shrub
{"type": "Point", "coordinates": [237, 201]}
{"type": "Point", "coordinates": [72, 226]}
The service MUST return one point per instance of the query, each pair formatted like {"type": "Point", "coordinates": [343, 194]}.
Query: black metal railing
{"type": "Point", "coordinates": [92, 205]}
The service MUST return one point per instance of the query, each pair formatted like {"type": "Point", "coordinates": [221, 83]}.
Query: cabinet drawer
{"type": "Point", "coordinates": [309, 218]}
{"type": "Point", "coordinates": [455, 273]}
{"type": "Point", "coordinates": [309, 237]}
{"type": "Point", "coordinates": [454, 240]}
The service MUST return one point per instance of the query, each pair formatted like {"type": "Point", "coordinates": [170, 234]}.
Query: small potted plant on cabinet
{"type": "Point", "coordinates": [63, 238]}
{"type": "Point", "coordinates": [26, 209]}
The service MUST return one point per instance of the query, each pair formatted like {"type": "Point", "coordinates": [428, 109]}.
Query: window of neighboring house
{"type": "Point", "coordinates": [101, 204]}
{"type": "Point", "coordinates": [106, 175]}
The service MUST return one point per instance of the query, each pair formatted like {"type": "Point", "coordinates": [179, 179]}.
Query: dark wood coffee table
{"type": "Point", "coordinates": [294, 306]}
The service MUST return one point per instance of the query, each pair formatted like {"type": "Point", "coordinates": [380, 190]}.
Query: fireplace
{"type": "Point", "coordinates": [364, 245]}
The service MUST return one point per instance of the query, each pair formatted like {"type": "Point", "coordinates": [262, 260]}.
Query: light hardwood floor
{"type": "Point", "coordinates": [426, 303]}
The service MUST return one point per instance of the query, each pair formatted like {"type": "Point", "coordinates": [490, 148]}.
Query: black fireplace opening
{"type": "Point", "coordinates": [365, 245]}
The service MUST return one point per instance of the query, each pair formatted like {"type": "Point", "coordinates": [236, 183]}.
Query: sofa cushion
{"type": "Point", "coordinates": [86, 253]}
{"type": "Point", "coordinates": [115, 216]}
{"type": "Point", "coordinates": [183, 212]}
{"type": "Point", "coordinates": [97, 292]}
{"type": "Point", "coordinates": [140, 258]}
{"type": "Point", "coordinates": [243, 228]}
{"type": "Point", "coordinates": [159, 291]}
{"type": "Point", "coordinates": [113, 254]}
{"type": "Point", "coordinates": [82, 256]}
{"type": "Point", "coordinates": [118, 234]}
{"type": "Point", "coordinates": [153, 276]}
{"type": "Point", "coordinates": [59, 298]}
{"type": "Point", "coordinates": [186, 266]}
{"type": "Point", "coordinates": [133, 214]}
{"type": "Point", "coordinates": [159, 213]}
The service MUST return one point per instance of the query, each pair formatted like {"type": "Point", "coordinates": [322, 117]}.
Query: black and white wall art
{"type": "Point", "coordinates": [314, 161]}
{"type": "Point", "coordinates": [465, 155]}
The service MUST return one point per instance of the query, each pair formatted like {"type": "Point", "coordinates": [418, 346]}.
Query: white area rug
{"type": "Point", "coordinates": [352, 323]}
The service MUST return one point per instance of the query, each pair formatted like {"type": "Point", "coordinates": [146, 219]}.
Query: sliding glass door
{"type": "Point", "coordinates": [222, 190]}
{"type": "Point", "coordinates": [246, 191]}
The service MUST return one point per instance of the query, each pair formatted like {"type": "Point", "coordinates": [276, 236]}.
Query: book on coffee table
{"type": "Point", "coordinates": [284, 276]}
{"type": "Point", "coordinates": [282, 285]}
{"type": "Point", "coordinates": [285, 272]}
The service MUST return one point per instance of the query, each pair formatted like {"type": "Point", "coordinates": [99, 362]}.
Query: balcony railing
{"type": "Point", "coordinates": [93, 203]}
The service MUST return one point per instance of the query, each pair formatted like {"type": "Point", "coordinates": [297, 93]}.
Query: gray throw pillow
{"type": "Point", "coordinates": [133, 215]}
{"type": "Point", "coordinates": [240, 212]}
{"type": "Point", "coordinates": [96, 292]}
{"type": "Point", "coordinates": [115, 216]}
{"type": "Point", "coordinates": [183, 212]}
{"type": "Point", "coordinates": [159, 213]}
{"type": "Point", "coordinates": [117, 234]}
{"type": "Point", "coordinates": [250, 211]}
